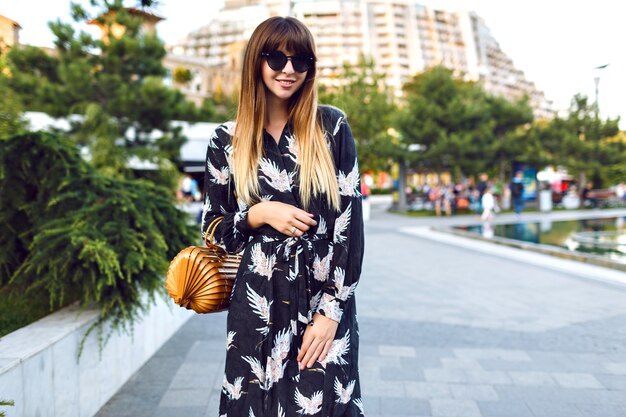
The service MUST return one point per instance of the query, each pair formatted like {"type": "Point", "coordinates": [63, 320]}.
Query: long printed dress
{"type": "Point", "coordinates": [283, 281]}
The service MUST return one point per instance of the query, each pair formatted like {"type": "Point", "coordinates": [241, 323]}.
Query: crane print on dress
{"type": "Point", "coordinates": [261, 307]}
{"type": "Point", "coordinates": [349, 183]}
{"type": "Point", "coordinates": [359, 404]}
{"type": "Point", "coordinates": [219, 176]}
{"type": "Point", "coordinates": [309, 405]}
{"type": "Point", "coordinates": [276, 178]}
{"type": "Point", "coordinates": [321, 266]}
{"type": "Point", "coordinates": [338, 349]}
{"type": "Point", "coordinates": [343, 292]}
{"type": "Point", "coordinates": [292, 148]}
{"type": "Point", "coordinates": [344, 394]}
{"type": "Point", "coordinates": [262, 264]}
{"type": "Point", "coordinates": [276, 364]}
{"type": "Point", "coordinates": [228, 128]}
{"type": "Point", "coordinates": [341, 225]}
{"type": "Point", "coordinates": [233, 391]}
{"type": "Point", "coordinates": [230, 338]}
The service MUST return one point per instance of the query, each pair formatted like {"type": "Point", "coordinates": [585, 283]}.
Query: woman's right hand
{"type": "Point", "coordinates": [285, 218]}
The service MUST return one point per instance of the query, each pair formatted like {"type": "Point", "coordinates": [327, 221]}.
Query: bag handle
{"type": "Point", "coordinates": [210, 231]}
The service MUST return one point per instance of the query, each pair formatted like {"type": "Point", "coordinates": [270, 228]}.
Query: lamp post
{"type": "Point", "coordinates": [596, 79]}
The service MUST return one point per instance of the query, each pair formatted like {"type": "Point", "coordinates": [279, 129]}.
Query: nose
{"type": "Point", "coordinates": [288, 69]}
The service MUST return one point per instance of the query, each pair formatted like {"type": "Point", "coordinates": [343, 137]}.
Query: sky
{"type": "Point", "coordinates": [557, 43]}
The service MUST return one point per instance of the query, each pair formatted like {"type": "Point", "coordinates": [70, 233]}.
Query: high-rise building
{"type": "Point", "coordinates": [402, 36]}
{"type": "Point", "coordinates": [220, 44]}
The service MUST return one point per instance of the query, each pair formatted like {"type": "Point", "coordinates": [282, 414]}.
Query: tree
{"type": "Point", "coordinates": [509, 143]}
{"type": "Point", "coordinates": [369, 108]}
{"type": "Point", "coordinates": [11, 121]}
{"type": "Point", "coordinates": [69, 229]}
{"type": "Point", "coordinates": [450, 119]}
{"type": "Point", "coordinates": [582, 143]}
{"type": "Point", "coordinates": [181, 75]}
{"type": "Point", "coordinates": [114, 83]}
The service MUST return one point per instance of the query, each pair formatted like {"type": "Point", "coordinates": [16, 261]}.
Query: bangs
{"type": "Point", "coordinates": [290, 35]}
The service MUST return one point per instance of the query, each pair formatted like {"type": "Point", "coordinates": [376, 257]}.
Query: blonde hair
{"type": "Point", "coordinates": [316, 165]}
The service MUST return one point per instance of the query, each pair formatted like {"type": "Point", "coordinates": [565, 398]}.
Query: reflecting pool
{"type": "Point", "coordinates": [605, 237]}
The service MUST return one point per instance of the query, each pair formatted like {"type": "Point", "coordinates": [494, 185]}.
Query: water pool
{"type": "Point", "coordinates": [600, 237]}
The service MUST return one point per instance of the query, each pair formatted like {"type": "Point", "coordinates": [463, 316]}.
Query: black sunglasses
{"type": "Point", "coordinates": [277, 61]}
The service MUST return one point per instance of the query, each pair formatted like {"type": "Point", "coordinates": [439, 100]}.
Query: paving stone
{"type": "Point", "coordinates": [185, 398]}
{"type": "Point", "coordinates": [615, 382]}
{"type": "Point", "coordinates": [401, 374]}
{"type": "Point", "coordinates": [473, 392]}
{"type": "Point", "coordinates": [543, 379]}
{"type": "Point", "coordinates": [616, 368]}
{"type": "Point", "coordinates": [454, 408]}
{"type": "Point", "coordinates": [400, 351]}
{"type": "Point", "coordinates": [488, 377]}
{"type": "Point", "coordinates": [404, 406]}
{"type": "Point", "coordinates": [445, 375]}
{"type": "Point", "coordinates": [427, 390]}
{"type": "Point", "coordinates": [577, 380]}
{"type": "Point", "coordinates": [511, 408]}
{"type": "Point", "coordinates": [384, 389]}
{"type": "Point", "coordinates": [503, 354]}
{"type": "Point", "coordinates": [554, 409]}
{"type": "Point", "coordinates": [604, 410]}
{"type": "Point", "coordinates": [461, 363]}
{"type": "Point", "coordinates": [181, 411]}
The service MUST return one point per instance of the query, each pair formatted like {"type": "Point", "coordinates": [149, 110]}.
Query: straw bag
{"type": "Point", "coordinates": [202, 278]}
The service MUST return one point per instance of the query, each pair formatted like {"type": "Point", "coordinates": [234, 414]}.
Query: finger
{"type": "Point", "coordinates": [305, 217]}
{"type": "Point", "coordinates": [319, 349]}
{"type": "Point", "coordinates": [327, 346]}
{"type": "Point", "coordinates": [303, 227]}
{"type": "Point", "coordinates": [309, 353]}
{"type": "Point", "coordinates": [309, 221]}
{"type": "Point", "coordinates": [293, 231]}
{"type": "Point", "coordinates": [306, 342]}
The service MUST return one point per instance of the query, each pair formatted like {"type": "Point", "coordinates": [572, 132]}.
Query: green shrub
{"type": "Point", "coordinates": [5, 403]}
{"type": "Point", "coordinates": [69, 229]}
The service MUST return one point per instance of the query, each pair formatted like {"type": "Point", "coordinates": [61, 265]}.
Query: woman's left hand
{"type": "Point", "coordinates": [317, 340]}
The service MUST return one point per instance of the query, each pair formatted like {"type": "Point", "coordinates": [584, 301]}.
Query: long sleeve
{"type": "Point", "coordinates": [348, 237]}
{"type": "Point", "coordinates": [219, 197]}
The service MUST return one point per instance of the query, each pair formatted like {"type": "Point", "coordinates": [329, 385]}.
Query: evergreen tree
{"type": "Point", "coordinates": [69, 229]}
{"type": "Point", "coordinates": [510, 144]}
{"type": "Point", "coordinates": [450, 119]}
{"type": "Point", "coordinates": [369, 108]}
{"type": "Point", "coordinates": [114, 83]}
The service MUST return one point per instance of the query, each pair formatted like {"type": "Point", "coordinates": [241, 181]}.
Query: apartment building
{"type": "Point", "coordinates": [9, 33]}
{"type": "Point", "coordinates": [403, 36]}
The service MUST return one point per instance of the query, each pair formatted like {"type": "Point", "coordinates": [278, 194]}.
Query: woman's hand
{"type": "Point", "coordinates": [285, 218]}
{"type": "Point", "coordinates": [317, 340]}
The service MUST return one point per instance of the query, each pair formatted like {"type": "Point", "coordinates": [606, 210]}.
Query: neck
{"type": "Point", "coordinates": [277, 112]}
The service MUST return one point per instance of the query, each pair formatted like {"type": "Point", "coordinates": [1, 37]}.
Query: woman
{"type": "Point", "coordinates": [286, 179]}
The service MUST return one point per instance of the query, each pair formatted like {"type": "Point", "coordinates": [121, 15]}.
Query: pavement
{"type": "Point", "coordinates": [448, 328]}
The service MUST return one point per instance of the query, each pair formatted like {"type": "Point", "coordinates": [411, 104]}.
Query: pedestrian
{"type": "Point", "coordinates": [517, 193]}
{"type": "Point", "coordinates": [481, 187]}
{"type": "Point", "coordinates": [286, 179]}
{"type": "Point", "coordinates": [488, 203]}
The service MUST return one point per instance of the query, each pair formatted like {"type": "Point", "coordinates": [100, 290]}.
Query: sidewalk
{"type": "Point", "coordinates": [445, 331]}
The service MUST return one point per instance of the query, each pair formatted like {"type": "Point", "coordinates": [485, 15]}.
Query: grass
{"type": "Point", "coordinates": [19, 308]}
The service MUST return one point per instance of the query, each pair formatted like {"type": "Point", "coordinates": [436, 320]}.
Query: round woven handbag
{"type": "Point", "coordinates": [202, 278]}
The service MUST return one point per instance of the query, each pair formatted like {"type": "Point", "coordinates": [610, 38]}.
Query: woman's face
{"type": "Point", "coordinates": [282, 84]}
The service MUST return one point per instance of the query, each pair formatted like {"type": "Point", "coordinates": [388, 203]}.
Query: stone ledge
{"type": "Point", "coordinates": [40, 370]}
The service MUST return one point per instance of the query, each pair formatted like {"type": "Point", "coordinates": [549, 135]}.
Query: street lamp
{"type": "Point", "coordinates": [597, 83]}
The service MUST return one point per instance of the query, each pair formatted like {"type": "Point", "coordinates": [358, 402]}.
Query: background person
{"type": "Point", "coordinates": [517, 192]}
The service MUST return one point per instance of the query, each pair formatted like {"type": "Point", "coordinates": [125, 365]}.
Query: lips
{"type": "Point", "coordinates": [286, 82]}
